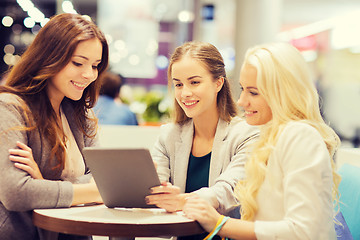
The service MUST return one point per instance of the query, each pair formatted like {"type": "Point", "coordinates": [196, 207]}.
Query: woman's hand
{"type": "Point", "coordinates": [94, 188]}
{"type": "Point", "coordinates": [87, 193]}
{"type": "Point", "coordinates": [200, 210]}
{"type": "Point", "coordinates": [166, 196]}
{"type": "Point", "coordinates": [24, 160]}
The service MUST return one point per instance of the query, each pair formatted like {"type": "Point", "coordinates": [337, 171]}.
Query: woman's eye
{"type": "Point", "coordinates": [195, 82]}
{"type": "Point", "coordinates": [77, 64]}
{"type": "Point", "coordinates": [178, 85]}
{"type": "Point", "coordinates": [254, 93]}
{"type": "Point", "coordinates": [95, 67]}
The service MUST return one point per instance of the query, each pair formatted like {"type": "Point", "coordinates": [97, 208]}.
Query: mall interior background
{"type": "Point", "coordinates": [143, 33]}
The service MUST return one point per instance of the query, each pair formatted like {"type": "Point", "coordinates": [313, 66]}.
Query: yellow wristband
{"type": "Point", "coordinates": [214, 229]}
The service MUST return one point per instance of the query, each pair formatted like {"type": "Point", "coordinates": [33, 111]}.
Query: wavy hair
{"type": "Point", "coordinates": [48, 54]}
{"type": "Point", "coordinates": [211, 58]}
{"type": "Point", "coordinates": [283, 79]}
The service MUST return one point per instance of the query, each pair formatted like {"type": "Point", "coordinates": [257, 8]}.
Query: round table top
{"type": "Point", "coordinates": [120, 222]}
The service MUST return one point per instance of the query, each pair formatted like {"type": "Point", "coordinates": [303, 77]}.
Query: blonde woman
{"type": "Point", "coordinates": [290, 180]}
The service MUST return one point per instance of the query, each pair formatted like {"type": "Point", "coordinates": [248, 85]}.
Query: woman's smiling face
{"type": "Point", "coordinates": [81, 71]}
{"type": "Point", "coordinates": [195, 90]}
{"type": "Point", "coordinates": [257, 110]}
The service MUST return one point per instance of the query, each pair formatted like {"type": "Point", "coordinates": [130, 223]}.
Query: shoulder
{"type": "Point", "coordinates": [104, 98]}
{"type": "Point", "coordinates": [104, 102]}
{"type": "Point", "coordinates": [300, 138]}
{"type": "Point", "coordinates": [169, 128]}
{"type": "Point", "coordinates": [124, 108]}
{"type": "Point", "coordinates": [13, 103]}
{"type": "Point", "coordinates": [299, 146]}
{"type": "Point", "coordinates": [241, 128]}
{"type": "Point", "coordinates": [297, 130]}
{"type": "Point", "coordinates": [14, 111]}
{"type": "Point", "coordinates": [175, 129]}
{"type": "Point", "coordinates": [10, 98]}
{"type": "Point", "coordinates": [238, 122]}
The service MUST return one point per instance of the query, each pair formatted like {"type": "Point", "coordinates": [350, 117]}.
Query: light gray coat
{"type": "Point", "coordinates": [229, 153]}
{"type": "Point", "coordinates": [19, 192]}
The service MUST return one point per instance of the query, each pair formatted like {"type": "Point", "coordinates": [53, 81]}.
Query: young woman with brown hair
{"type": "Point", "coordinates": [204, 151]}
{"type": "Point", "coordinates": [46, 121]}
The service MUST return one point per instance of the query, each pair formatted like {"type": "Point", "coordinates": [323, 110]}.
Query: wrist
{"type": "Point", "coordinates": [219, 224]}
{"type": "Point", "coordinates": [182, 201]}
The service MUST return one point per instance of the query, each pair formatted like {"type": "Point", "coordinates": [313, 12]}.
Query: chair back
{"type": "Point", "coordinates": [349, 190]}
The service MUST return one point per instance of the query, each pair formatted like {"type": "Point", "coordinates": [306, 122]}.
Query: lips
{"type": "Point", "coordinates": [79, 85]}
{"type": "Point", "coordinates": [250, 113]}
{"type": "Point", "coordinates": [190, 103]}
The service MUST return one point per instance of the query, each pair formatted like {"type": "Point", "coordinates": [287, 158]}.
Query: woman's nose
{"type": "Point", "coordinates": [90, 73]}
{"type": "Point", "coordinates": [242, 100]}
{"type": "Point", "coordinates": [186, 91]}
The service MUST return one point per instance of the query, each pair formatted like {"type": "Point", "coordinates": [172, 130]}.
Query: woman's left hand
{"type": "Point", "coordinates": [166, 196]}
{"type": "Point", "coordinates": [24, 160]}
{"type": "Point", "coordinates": [200, 210]}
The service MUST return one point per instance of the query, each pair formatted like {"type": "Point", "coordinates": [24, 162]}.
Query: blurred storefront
{"type": "Point", "coordinates": [143, 33]}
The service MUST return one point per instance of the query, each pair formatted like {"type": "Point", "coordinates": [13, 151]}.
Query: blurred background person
{"type": "Point", "coordinates": [110, 109]}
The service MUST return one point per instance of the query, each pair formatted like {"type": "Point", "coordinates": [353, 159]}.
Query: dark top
{"type": "Point", "coordinates": [197, 173]}
{"type": "Point", "coordinates": [197, 177]}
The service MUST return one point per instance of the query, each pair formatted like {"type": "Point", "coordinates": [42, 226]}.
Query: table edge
{"type": "Point", "coordinates": [88, 228]}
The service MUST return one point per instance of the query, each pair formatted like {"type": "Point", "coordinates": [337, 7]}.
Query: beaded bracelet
{"type": "Point", "coordinates": [220, 222]}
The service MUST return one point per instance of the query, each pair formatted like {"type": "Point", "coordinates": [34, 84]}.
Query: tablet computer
{"type": "Point", "coordinates": [123, 176]}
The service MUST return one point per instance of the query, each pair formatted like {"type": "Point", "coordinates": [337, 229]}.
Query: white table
{"type": "Point", "coordinates": [115, 222]}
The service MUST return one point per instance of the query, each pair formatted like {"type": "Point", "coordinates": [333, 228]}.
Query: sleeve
{"type": "Point", "coordinates": [18, 191]}
{"type": "Point", "coordinates": [307, 187]}
{"type": "Point", "coordinates": [221, 194]}
{"type": "Point", "coordinates": [161, 155]}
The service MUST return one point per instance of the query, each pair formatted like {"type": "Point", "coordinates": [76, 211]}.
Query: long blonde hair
{"type": "Point", "coordinates": [283, 79]}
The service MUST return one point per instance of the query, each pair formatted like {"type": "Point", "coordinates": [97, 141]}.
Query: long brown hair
{"type": "Point", "coordinates": [49, 53]}
{"type": "Point", "coordinates": [208, 55]}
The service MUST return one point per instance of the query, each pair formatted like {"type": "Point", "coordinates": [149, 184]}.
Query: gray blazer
{"type": "Point", "coordinates": [230, 147]}
{"type": "Point", "coordinates": [19, 192]}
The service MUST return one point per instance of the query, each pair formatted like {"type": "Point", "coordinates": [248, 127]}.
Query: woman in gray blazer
{"type": "Point", "coordinates": [204, 151]}
{"type": "Point", "coordinates": [45, 122]}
